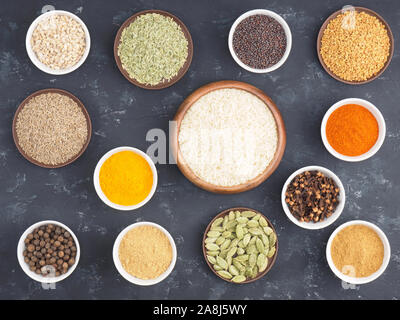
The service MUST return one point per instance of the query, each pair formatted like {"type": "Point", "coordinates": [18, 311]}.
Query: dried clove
{"type": "Point", "coordinates": [312, 197]}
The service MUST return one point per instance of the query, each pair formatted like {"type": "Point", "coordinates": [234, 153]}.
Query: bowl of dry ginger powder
{"type": "Point", "coordinates": [358, 252]}
{"type": "Point", "coordinates": [144, 253]}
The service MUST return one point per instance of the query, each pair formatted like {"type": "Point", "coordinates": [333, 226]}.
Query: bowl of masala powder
{"type": "Point", "coordinates": [125, 178]}
{"type": "Point", "coordinates": [358, 252]}
{"type": "Point", "coordinates": [144, 253]}
{"type": "Point", "coordinates": [353, 129]}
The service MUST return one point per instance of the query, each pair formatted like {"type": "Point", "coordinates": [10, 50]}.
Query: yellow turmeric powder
{"type": "Point", "coordinates": [126, 178]}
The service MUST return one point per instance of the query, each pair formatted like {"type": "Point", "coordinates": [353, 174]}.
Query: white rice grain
{"type": "Point", "coordinates": [228, 137]}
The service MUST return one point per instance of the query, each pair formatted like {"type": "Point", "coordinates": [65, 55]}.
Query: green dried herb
{"type": "Point", "coordinates": [153, 49]}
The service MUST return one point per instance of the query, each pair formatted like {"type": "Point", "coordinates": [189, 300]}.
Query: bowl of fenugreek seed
{"type": "Point", "coordinates": [313, 197]}
{"type": "Point", "coordinates": [355, 45]}
{"type": "Point", "coordinates": [48, 251]}
{"type": "Point", "coordinates": [153, 49]}
{"type": "Point", "coordinates": [51, 128]}
{"type": "Point", "coordinates": [58, 42]}
{"type": "Point", "coordinates": [240, 245]}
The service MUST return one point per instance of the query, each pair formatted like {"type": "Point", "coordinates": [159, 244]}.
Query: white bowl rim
{"type": "Point", "coordinates": [386, 256]}
{"type": "Point", "coordinates": [375, 112]}
{"type": "Point", "coordinates": [24, 265]}
{"type": "Point", "coordinates": [41, 66]}
{"type": "Point", "coordinates": [333, 217]}
{"type": "Point", "coordinates": [100, 192]}
{"type": "Point", "coordinates": [128, 276]}
{"type": "Point", "coordinates": [285, 27]}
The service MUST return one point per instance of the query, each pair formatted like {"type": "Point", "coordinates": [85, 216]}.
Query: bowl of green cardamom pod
{"type": "Point", "coordinates": [240, 245]}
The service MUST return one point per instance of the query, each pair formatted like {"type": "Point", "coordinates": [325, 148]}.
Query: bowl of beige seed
{"type": "Point", "coordinates": [51, 128]}
{"type": "Point", "coordinates": [58, 42]}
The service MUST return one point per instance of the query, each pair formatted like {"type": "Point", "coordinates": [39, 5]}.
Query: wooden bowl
{"type": "Point", "coordinates": [271, 261]}
{"type": "Point", "coordinates": [180, 73]}
{"type": "Point", "coordinates": [185, 169]}
{"type": "Point", "coordinates": [80, 104]}
{"type": "Point", "coordinates": [357, 9]}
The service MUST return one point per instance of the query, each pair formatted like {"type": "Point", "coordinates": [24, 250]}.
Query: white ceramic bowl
{"type": "Point", "coordinates": [100, 192]}
{"type": "Point", "coordinates": [386, 255]}
{"type": "Point", "coordinates": [323, 223]}
{"type": "Point", "coordinates": [24, 265]}
{"type": "Point", "coordinates": [33, 56]}
{"type": "Point", "coordinates": [285, 27]}
{"type": "Point", "coordinates": [128, 276]}
{"type": "Point", "coordinates": [378, 116]}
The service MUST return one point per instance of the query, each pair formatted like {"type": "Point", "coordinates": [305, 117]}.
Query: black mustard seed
{"type": "Point", "coordinates": [259, 41]}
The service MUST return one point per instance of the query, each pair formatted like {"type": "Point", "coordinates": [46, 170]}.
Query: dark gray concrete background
{"type": "Point", "coordinates": [122, 114]}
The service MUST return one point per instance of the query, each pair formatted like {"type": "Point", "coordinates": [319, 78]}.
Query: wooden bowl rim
{"type": "Point", "coordinates": [280, 149]}
{"type": "Point", "coordinates": [358, 9]}
{"type": "Point", "coordinates": [182, 70]}
{"type": "Point", "coordinates": [271, 261]}
{"type": "Point", "coordinates": [62, 92]}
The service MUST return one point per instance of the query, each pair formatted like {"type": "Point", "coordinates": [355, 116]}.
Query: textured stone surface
{"type": "Point", "coordinates": [122, 114]}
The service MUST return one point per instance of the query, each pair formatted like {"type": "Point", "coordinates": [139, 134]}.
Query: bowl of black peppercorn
{"type": "Point", "coordinates": [48, 251]}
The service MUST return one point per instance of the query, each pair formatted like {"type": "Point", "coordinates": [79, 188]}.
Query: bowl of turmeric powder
{"type": "Point", "coordinates": [125, 178]}
{"type": "Point", "coordinates": [358, 252]}
{"type": "Point", "coordinates": [353, 129]}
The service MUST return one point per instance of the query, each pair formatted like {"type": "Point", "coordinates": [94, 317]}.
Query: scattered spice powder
{"type": "Point", "coordinates": [126, 178]}
{"type": "Point", "coordinates": [153, 48]}
{"type": "Point", "coordinates": [312, 197]}
{"type": "Point", "coordinates": [145, 252]}
{"type": "Point", "coordinates": [352, 130]}
{"type": "Point", "coordinates": [355, 46]}
{"type": "Point", "coordinates": [358, 247]}
{"type": "Point", "coordinates": [58, 41]}
{"type": "Point", "coordinates": [51, 128]}
{"type": "Point", "coordinates": [259, 41]}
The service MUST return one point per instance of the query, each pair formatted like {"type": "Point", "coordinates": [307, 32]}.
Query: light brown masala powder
{"type": "Point", "coordinates": [360, 247]}
{"type": "Point", "coordinates": [145, 252]}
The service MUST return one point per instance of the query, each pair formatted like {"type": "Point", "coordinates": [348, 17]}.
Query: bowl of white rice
{"type": "Point", "coordinates": [229, 137]}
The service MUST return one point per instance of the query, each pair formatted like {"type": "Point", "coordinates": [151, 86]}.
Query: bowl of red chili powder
{"type": "Point", "coordinates": [353, 129]}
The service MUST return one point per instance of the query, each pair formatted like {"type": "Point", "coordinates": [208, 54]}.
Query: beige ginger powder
{"type": "Point", "coordinates": [145, 252]}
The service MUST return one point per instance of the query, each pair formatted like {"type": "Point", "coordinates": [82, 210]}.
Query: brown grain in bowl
{"type": "Point", "coordinates": [51, 128]}
{"type": "Point", "coordinates": [219, 221]}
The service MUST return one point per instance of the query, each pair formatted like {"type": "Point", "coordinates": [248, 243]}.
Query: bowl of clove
{"type": "Point", "coordinates": [313, 197]}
